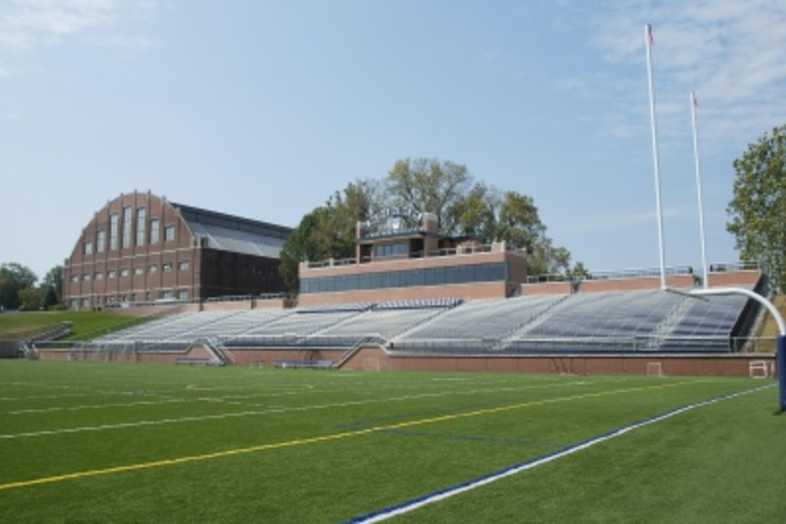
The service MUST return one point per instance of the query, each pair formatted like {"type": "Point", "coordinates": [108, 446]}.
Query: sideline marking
{"type": "Point", "coordinates": [326, 438]}
{"type": "Point", "coordinates": [101, 406]}
{"type": "Point", "coordinates": [269, 410]}
{"type": "Point", "coordinates": [457, 489]}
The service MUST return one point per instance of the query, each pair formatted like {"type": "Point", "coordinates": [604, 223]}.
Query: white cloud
{"type": "Point", "coordinates": [28, 24]}
{"type": "Point", "coordinates": [731, 52]}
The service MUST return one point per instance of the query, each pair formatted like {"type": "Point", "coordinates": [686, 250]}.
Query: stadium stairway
{"type": "Point", "coordinates": [669, 323]}
{"type": "Point", "coordinates": [529, 324]}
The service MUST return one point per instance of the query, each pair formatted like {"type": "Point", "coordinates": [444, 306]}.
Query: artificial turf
{"type": "Point", "coordinates": [247, 444]}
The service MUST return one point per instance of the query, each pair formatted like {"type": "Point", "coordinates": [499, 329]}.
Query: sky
{"type": "Point", "coordinates": [263, 109]}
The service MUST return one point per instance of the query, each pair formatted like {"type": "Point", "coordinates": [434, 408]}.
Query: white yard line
{"type": "Point", "coordinates": [268, 411]}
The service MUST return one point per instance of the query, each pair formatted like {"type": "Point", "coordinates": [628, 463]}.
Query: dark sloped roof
{"type": "Point", "coordinates": [236, 234]}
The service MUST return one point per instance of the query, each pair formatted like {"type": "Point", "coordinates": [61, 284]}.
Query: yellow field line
{"type": "Point", "coordinates": [324, 438]}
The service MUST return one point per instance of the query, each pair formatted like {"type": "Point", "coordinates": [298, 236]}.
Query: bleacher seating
{"type": "Point", "coordinates": [706, 326]}
{"type": "Point", "coordinates": [601, 322]}
{"type": "Point", "coordinates": [634, 321]}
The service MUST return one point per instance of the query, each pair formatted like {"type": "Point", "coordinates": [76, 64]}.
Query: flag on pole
{"type": "Point", "coordinates": [649, 34]}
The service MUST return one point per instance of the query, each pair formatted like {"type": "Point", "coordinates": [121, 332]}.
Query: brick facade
{"type": "Point", "coordinates": [110, 265]}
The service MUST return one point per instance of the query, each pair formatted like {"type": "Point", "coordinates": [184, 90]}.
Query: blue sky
{"type": "Point", "coordinates": [263, 108]}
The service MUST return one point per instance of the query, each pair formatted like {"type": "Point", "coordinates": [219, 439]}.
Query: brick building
{"type": "Point", "coordinates": [401, 259]}
{"type": "Point", "coordinates": [141, 248]}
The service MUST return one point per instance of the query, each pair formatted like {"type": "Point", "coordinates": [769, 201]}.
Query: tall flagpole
{"type": "Point", "coordinates": [655, 155]}
{"type": "Point", "coordinates": [699, 189]}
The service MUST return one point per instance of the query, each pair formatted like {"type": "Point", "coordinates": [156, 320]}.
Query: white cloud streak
{"type": "Point", "coordinates": [29, 24]}
{"type": "Point", "coordinates": [730, 52]}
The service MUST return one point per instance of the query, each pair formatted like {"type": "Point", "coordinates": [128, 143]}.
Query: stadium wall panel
{"type": "Point", "coordinates": [546, 288]}
{"type": "Point", "coordinates": [469, 291]}
{"type": "Point", "coordinates": [376, 359]}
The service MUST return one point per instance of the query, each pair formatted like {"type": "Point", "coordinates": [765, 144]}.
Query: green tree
{"type": "Point", "coordinates": [428, 185]}
{"type": "Point", "coordinates": [54, 280]}
{"type": "Point", "coordinates": [476, 213]}
{"type": "Point", "coordinates": [416, 186]}
{"type": "Point", "coordinates": [14, 277]}
{"type": "Point", "coordinates": [758, 210]}
{"type": "Point", "coordinates": [519, 223]}
{"type": "Point", "coordinates": [329, 230]}
{"type": "Point", "coordinates": [31, 298]}
{"type": "Point", "coordinates": [579, 272]}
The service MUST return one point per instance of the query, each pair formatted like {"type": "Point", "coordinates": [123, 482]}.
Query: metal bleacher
{"type": "Point", "coordinates": [477, 325]}
{"type": "Point", "coordinates": [707, 325]}
{"type": "Point", "coordinates": [609, 322]}
{"type": "Point", "coordinates": [614, 322]}
{"type": "Point", "coordinates": [291, 329]}
{"type": "Point", "coordinates": [382, 323]}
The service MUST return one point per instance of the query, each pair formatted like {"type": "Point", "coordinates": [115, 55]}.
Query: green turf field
{"type": "Point", "coordinates": [85, 324]}
{"type": "Point", "coordinates": [86, 442]}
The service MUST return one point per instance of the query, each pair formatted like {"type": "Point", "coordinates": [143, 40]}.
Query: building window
{"type": "Point", "coordinates": [88, 248]}
{"type": "Point", "coordinates": [182, 294]}
{"type": "Point", "coordinates": [152, 269]}
{"type": "Point", "coordinates": [75, 278]}
{"type": "Point", "coordinates": [169, 233]}
{"type": "Point", "coordinates": [139, 271]}
{"type": "Point", "coordinates": [127, 223]}
{"type": "Point", "coordinates": [101, 241]}
{"type": "Point", "coordinates": [184, 266]}
{"type": "Point", "coordinates": [400, 249]}
{"type": "Point", "coordinates": [155, 231]}
{"type": "Point", "coordinates": [85, 302]}
{"type": "Point", "coordinates": [99, 276]}
{"type": "Point", "coordinates": [125, 273]}
{"type": "Point", "coordinates": [166, 293]}
{"type": "Point", "coordinates": [167, 267]}
{"type": "Point", "coordinates": [406, 278]}
{"type": "Point", "coordinates": [112, 274]}
{"type": "Point", "coordinates": [141, 218]}
{"type": "Point", "coordinates": [86, 277]}
{"type": "Point", "coordinates": [113, 233]}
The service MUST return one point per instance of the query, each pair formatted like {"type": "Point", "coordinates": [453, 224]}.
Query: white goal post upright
{"type": "Point", "coordinates": [705, 291]}
{"type": "Point", "coordinates": [655, 154]}
{"type": "Point", "coordinates": [699, 190]}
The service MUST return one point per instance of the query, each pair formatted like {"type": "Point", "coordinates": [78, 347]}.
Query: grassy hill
{"type": "Point", "coordinates": [85, 324]}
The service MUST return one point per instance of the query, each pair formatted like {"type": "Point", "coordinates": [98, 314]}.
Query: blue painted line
{"type": "Point", "coordinates": [456, 489]}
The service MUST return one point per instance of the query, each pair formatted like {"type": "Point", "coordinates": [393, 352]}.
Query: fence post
{"type": "Point", "coordinates": [781, 363]}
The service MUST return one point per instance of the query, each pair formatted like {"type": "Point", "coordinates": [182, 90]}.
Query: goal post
{"type": "Point", "coordinates": [780, 357]}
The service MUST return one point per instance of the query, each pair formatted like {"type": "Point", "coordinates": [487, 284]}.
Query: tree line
{"type": "Point", "coordinates": [19, 288]}
{"type": "Point", "coordinates": [462, 205]}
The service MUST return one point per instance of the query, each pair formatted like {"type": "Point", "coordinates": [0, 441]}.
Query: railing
{"type": "Point", "coordinates": [644, 272]}
{"type": "Point", "coordinates": [736, 266]}
{"type": "Point", "coordinates": [230, 298]}
{"type": "Point", "coordinates": [548, 277]}
{"type": "Point", "coordinates": [445, 252]}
